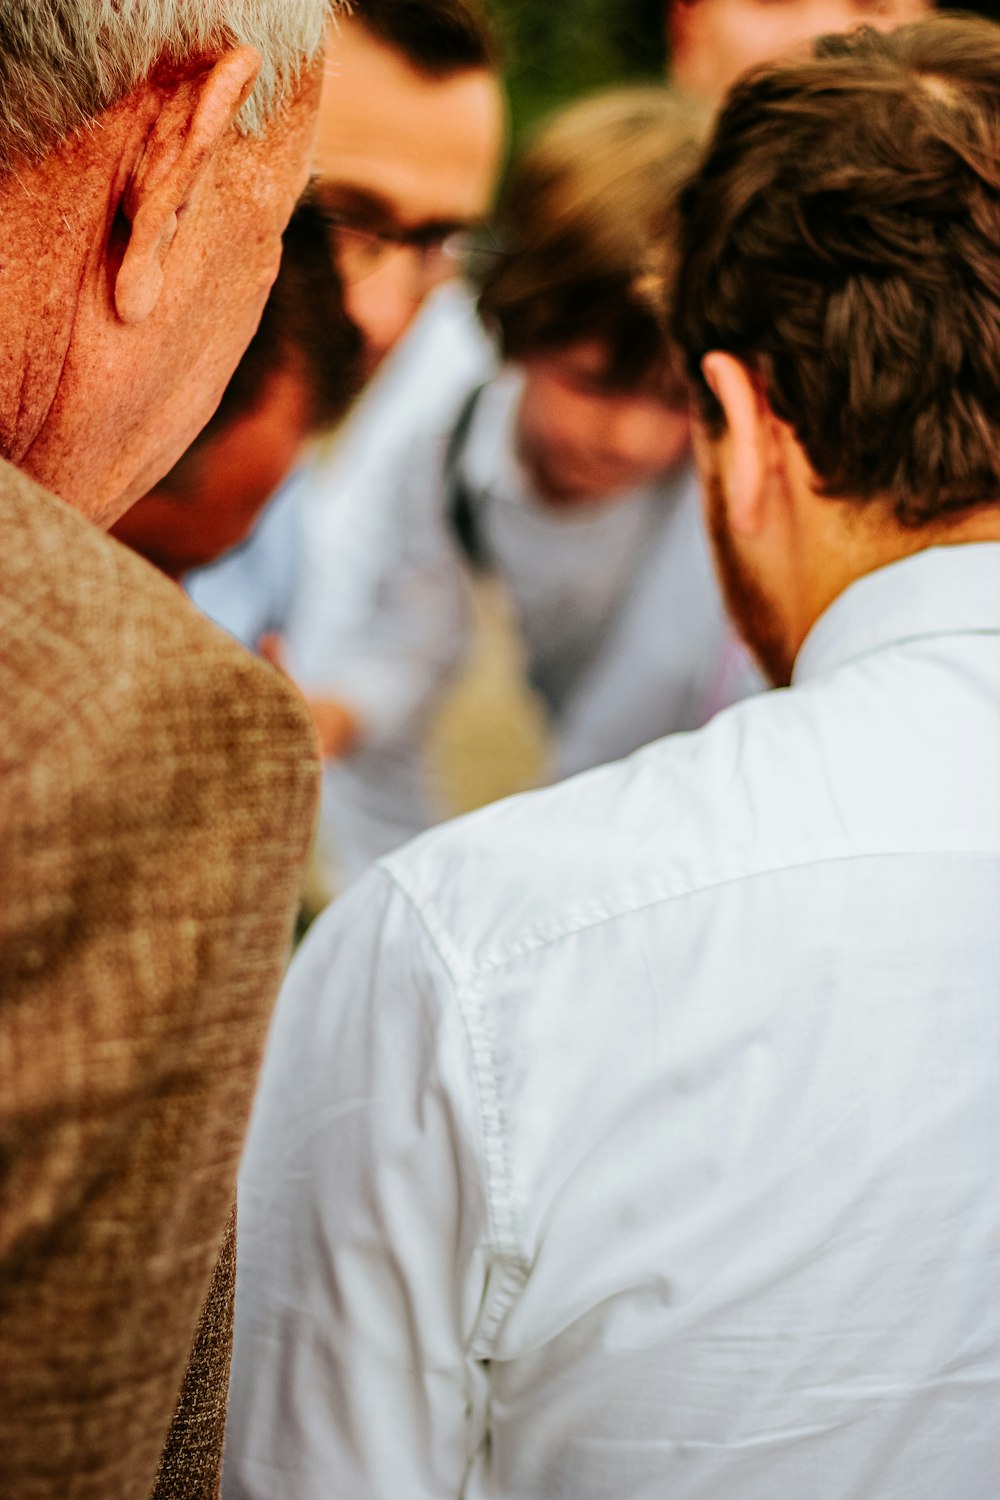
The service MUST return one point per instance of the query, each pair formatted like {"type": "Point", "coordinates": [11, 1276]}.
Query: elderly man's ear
{"type": "Point", "coordinates": [189, 123]}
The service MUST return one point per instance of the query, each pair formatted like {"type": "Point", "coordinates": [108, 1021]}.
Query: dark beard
{"type": "Point", "coordinates": [748, 607]}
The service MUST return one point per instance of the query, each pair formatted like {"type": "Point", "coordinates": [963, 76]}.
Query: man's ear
{"type": "Point", "coordinates": [190, 124]}
{"type": "Point", "coordinates": [745, 447]}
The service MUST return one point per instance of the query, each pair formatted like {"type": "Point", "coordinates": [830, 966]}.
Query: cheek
{"type": "Point", "coordinates": [261, 253]}
{"type": "Point", "coordinates": [360, 306]}
{"type": "Point", "coordinates": [568, 420]}
{"type": "Point", "coordinates": [280, 462]}
{"type": "Point", "coordinates": [674, 440]}
{"type": "Point", "coordinates": [382, 308]}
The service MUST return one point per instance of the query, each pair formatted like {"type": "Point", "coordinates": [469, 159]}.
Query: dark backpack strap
{"type": "Point", "coordinates": [461, 510]}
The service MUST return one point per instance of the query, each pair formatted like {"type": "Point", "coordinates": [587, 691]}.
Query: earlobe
{"type": "Point", "coordinates": [189, 125]}
{"type": "Point", "coordinates": [139, 283]}
{"type": "Point", "coordinates": [744, 448]}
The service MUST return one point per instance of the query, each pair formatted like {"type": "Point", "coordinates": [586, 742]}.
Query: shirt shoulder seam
{"type": "Point", "coordinates": [485, 1071]}
{"type": "Point", "coordinates": [535, 939]}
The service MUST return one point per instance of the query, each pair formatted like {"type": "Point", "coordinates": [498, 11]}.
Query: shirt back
{"type": "Point", "coordinates": [697, 1057]}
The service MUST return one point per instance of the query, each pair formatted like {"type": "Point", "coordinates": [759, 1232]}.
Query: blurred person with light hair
{"type": "Point", "coordinates": [158, 784]}
{"type": "Point", "coordinates": [638, 1136]}
{"type": "Point", "coordinates": [567, 478]}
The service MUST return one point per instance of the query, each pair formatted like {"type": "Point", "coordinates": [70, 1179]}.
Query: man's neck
{"type": "Point", "coordinates": [869, 538]}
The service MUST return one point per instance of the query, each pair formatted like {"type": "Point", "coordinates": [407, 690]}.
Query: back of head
{"type": "Point", "coordinates": [437, 37]}
{"type": "Point", "coordinates": [140, 232]}
{"type": "Point", "coordinates": [842, 240]}
{"type": "Point", "coordinates": [587, 231]}
{"type": "Point", "coordinates": [65, 62]}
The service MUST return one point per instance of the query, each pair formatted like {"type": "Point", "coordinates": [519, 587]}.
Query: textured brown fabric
{"type": "Point", "coordinates": [191, 1463]}
{"type": "Point", "coordinates": [157, 788]}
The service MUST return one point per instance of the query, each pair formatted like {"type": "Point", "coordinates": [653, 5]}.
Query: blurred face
{"type": "Point", "coordinates": [584, 440]}
{"type": "Point", "coordinates": [712, 42]}
{"type": "Point", "coordinates": [403, 164]}
{"type": "Point", "coordinates": [210, 501]}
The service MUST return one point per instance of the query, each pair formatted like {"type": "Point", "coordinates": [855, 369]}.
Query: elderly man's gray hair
{"type": "Point", "coordinates": [64, 62]}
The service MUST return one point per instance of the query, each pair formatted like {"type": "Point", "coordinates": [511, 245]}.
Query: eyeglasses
{"type": "Point", "coordinates": [435, 254]}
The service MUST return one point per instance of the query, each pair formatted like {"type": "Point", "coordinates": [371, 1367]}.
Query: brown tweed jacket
{"type": "Point", "coordinates": [156, 796]}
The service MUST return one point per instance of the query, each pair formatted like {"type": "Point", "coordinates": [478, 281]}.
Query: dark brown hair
{"type": "Point", "coordinates": [842, 239]}
{"type": "Point", "coordinates": [437, 37]}
{"type": "Point", "coordinates": [587, 234]}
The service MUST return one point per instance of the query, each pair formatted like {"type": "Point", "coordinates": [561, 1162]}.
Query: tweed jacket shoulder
{"type": "Point", "coordinates": [157, 790]}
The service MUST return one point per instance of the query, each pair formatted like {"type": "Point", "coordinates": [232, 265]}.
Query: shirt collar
{"type": "Point", "coordinates": [940, 591]}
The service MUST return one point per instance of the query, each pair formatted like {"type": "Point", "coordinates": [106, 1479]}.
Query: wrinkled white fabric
{"type": "Point", "coordinates": [638, 1138]}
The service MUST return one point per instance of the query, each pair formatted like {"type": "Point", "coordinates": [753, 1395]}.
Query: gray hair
{"type": "Point", "coordinates": [64, 62]}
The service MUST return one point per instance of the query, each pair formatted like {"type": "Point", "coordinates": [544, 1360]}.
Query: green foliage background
{"type": "Point", "coordinates": [558, 49]}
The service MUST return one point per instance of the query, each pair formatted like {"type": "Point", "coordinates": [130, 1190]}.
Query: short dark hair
{"type": "Point", "coordinates": [842, 239]}
{"type": "Point", "coordinates": [587, 234]}
{"type": "Point", "coordinates": [437, 37]}
{"type": "Point", "coordinates": [304, 320]}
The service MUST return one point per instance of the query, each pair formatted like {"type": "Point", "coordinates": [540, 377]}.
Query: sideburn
{"type": "Point", "coordinates": [755, 619]}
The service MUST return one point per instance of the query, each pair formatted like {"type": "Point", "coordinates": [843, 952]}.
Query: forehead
{"type": "Point", "coordinates": [809, 18]}
{"type": "Point", "coordinates": [714, 41]}
{"type": "Point", "coordinates": [584, 357]}
{"type": "Point", "coordinates": [428, 148]}
{"type": "Point", "coordinates": [593, 360]}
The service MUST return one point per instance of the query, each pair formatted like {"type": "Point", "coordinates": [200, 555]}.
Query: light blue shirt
{"type": "Point", "coordinates": [639, 1137]}
{"type": "Point", "coordinates": [250, 592]}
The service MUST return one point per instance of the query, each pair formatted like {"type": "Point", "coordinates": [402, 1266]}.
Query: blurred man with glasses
{"type": "Point", "coordinates": [407, 154]}
{"type": "Point", "coordinates": [408, 150]}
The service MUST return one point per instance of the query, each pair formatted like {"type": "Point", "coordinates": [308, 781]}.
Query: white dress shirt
{"type": "Point", "coordinates": [624, 633]}
{"type": "Point", "coordinates": [637, 1139]}
{"type": "Point", "coordinates": [360, 575]}
{"type": "Point", "coordinates": [350, 503]}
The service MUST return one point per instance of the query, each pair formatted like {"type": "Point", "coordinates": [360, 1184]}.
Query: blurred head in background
{"type": "Point", "coordinates": [408, 152]}
{"type": "Point", "coordinates": [580, 294]}
{"type": "Point", "coordinates": [295, 380]}
{"type": "Point", "coordinates": [712, 42]}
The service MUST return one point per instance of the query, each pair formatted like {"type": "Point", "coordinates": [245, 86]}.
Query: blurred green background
{"type": "Point", "coordinates": [557, 49]}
